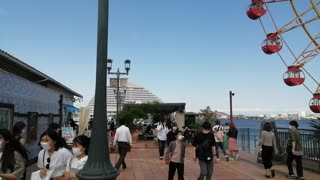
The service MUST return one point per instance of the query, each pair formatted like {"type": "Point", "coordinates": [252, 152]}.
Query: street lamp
{"type": "Point", "coordinates": [98, 166]}
{"type": "Point", "coordinates": [118, 73]}
{"type": "Point", "coordinates": [230, 96]}
{"type": "Point", "coordinates": [121, 97]}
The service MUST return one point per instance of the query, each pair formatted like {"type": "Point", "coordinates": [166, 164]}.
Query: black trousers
{"type": "Point", "coordinates": [172, 170]}
{"type": "Point", "coordinates": [298, 160]}
{"type": "Point", "coordinates": [266, 155]}
{"type": "Point", "coordinates": [123, 148]}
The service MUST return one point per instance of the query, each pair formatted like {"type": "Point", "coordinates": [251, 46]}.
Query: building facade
{"type": "Point", "coordinates": [129, 93]}
{"type": "Point", "coordinates": [32, 97]}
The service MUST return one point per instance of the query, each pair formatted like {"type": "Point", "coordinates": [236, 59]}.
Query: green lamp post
{"type": "Point", "coordinates": [98, 166]}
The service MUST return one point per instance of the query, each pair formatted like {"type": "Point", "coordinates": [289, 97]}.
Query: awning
{"type": "Point", "coordinates": [70, 108]}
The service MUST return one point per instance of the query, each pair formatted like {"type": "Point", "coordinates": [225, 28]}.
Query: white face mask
{"type": "Point", "coordinates": [180, 137]}
{"type": "Point", "coordinates": [76, 151]}
{"type": "Point", "coordinates": [174, 128]}
{"type": "Point", "coordinates": [45, 145]}
{"type": "Point", "coordinates": [290, 127]}
{"type": "Point", "coordinates": [2, 143]}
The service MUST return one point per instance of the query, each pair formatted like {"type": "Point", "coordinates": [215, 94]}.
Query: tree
{"type": "Point", "coordinates": [143, 111]}
{"type": "Point", "coordinates": [208, 114]}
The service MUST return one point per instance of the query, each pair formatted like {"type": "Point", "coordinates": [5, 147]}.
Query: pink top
{"type": "Point", "coordinates": [176, 154]}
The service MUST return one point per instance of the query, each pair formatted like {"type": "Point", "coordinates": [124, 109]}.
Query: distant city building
{"type": "Point", "coordinates": [129, 94]}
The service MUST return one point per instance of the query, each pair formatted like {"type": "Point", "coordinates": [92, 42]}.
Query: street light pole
{"type": "Point", "coordinates": [118, 73]}
{"type": "Point", "coordinates": [230, 97]}
{"type": "Point", "coordinates": [98, 166]}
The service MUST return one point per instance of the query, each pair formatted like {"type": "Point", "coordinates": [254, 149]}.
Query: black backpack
{"type": "Point", "coordinates": [203, 151]}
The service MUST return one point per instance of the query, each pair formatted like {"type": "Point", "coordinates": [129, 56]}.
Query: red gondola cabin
{"type": "Point", "coordinates": [256, 9]}
{"type": "Point", "coordinates": [294, 76]}
{"type": "Point", "coordinates": [315, 103]}
{"type": "Point", "coordinates": [272, 44]}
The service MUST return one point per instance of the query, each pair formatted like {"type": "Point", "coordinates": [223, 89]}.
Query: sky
{"type": "Point", "coordinates": [181, 50]}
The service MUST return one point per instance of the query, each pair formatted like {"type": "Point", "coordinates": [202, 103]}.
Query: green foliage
{"type": "Point", "coordinates": [129, 116]}
{"type": "Point", "coordinates": [209, 115]}
{"type": "Point", "coordinates": [143, 111]}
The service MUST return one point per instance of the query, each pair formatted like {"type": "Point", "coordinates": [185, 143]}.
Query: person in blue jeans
{"type": "Point", "coordinates": [162, 131]}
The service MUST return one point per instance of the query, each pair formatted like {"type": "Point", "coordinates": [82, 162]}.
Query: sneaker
{"type": "Point", "coordinates": [161, 157]}
{"type": "Point", "coordinates": [291, 176]}
{"type": "Point", "coordinates": [227, 158]}
{"type": "Point", "coordinates": [300, 178]}
{"type": "Point", "coordinates": [237, 157]}
{"type": "Point", "coordinates": [231, 159]}
{"type": "Point", "coordinates": [273, 173]}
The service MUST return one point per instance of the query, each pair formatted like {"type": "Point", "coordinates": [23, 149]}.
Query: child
{"type": "Point", "coordinates": [175, 156]}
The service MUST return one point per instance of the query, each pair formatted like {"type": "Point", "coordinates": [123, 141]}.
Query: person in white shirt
{"type": "Point", "coordinates": [218, 132]}
{"type": "Point", "coordinates": [124, 141]}
{"type": "Point", "coordinates": [80, 150]}
{"type": "Point", "coordinates": [53, 158]}
{"type": "Point", "coordinates": [162, 131]}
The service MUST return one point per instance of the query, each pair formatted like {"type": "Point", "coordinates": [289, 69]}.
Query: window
{"type": "Point", "coordinates": [6, 115]}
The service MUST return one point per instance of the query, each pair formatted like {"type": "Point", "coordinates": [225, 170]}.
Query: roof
{"type": "Point", "coordinates": [20, 64]}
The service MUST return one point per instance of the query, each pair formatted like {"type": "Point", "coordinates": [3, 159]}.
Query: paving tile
{"type": "Point", "coordinates": [143, 163]}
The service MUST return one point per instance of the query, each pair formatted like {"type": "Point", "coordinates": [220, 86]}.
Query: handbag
{"type": "Point", "coordinates": [259, 148]}
{"type": "Point", "coordinates": [298, 153]}
{"type": "Point", "coordinates": [36, 175]}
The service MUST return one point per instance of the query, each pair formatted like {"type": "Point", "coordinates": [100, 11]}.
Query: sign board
{"type": "Point", "coordinates": [68, 134]}
{"type": "Point", "coordinates": [122, 82]}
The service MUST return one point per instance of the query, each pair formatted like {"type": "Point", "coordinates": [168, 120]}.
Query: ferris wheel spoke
{"type": "Point", "coordinates": [318, 89]}
{"type": "Point", "coordinates": [297, 22]}
{"type": "Point", "coordinates": [307, 88]}
{"type": "Point", "coordinates": [308, 53]}
{"type": "Point", "coordinates": [314, 7]}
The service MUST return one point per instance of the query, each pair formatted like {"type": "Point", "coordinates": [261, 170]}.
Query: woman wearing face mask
{"type": "Point", "coordinates": [53, 158]}
{"type": "Point", "coordinates": [80, 149]}
{"type": "Point", "coordinates": [13, 157]}
{"type": "Point", "coordinates": [17, 131]}
{"type": "Point", "coordinates": [175, 156]}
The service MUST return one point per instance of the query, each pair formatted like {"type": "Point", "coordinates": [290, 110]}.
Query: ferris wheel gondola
{"type": "Point", "coordinates": [274, 42]}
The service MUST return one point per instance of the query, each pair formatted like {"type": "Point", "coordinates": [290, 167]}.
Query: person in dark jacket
{"type": "Point", "coordinates": [205, 151]}
{"type": "Point", "coordinates": [171, 136]}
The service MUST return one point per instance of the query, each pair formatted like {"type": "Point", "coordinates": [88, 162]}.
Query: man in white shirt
{"type": "Point", "coordinates": [162, 131]}
{"type": "Point", "coordinates": [124, 141]}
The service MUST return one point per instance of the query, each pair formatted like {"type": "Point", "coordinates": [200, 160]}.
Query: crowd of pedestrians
{"type": "Point", "coordinates": [56, 160]}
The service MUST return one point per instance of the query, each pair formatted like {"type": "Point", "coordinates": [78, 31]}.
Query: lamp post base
{"type": "Point", "coordinates": [109, 174]}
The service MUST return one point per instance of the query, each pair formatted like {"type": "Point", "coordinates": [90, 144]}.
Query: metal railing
{"type": "Point", "coordinates": [248, 140]}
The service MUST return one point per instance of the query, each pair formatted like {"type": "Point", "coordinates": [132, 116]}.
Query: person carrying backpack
{"type": "Point", "coordinates": [205, 151]}
{"type": "Point", "coordinates": [218, 136]}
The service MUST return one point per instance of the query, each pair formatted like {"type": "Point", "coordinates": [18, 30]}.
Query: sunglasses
{"type": "Point", "coordinates": [48, 161]}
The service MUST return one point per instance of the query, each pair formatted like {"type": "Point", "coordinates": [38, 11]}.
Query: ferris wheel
{"type": "Point", "coordinates": [301, 22]}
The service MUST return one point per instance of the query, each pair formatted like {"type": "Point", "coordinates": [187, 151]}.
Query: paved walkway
{"type": "Point", "coordinates": [143, 163]}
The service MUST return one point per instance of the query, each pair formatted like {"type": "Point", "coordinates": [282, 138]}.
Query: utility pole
{"type": "Point", "coordinates": [230, 97]}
